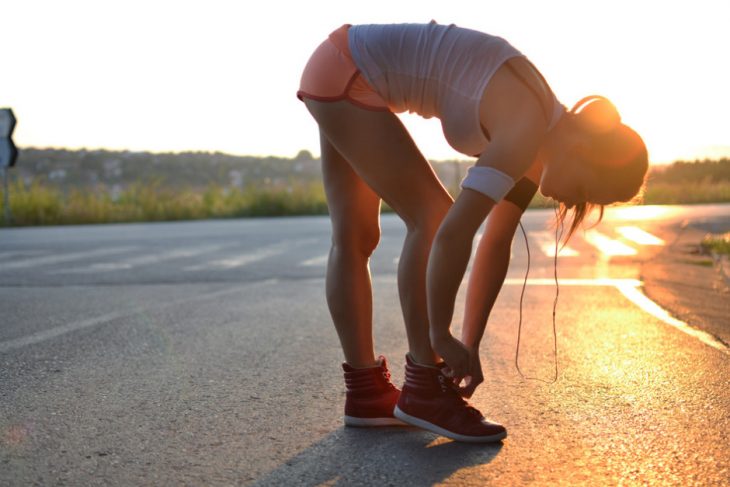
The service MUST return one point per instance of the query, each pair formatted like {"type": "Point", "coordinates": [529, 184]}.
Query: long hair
{"type": "Point", "coordinates": [617, 155]}
{"type": "Point", "coordinates": [580, 212]}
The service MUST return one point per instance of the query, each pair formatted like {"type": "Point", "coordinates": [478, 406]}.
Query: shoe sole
{"type": "Point", "coordinates": [370, 422]}
{"type": "Point", "coordinates": [412, 420]}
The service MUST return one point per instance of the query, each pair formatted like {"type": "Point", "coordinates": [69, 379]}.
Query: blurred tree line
{"type": "Point", "coordinates": [61, 186]}
{"type": "Point", "coordinates": [93, 169]}
{"type": "Point", "coordinates": [709, 171]}
{"type": "Point", "coordinates": [77, 169]}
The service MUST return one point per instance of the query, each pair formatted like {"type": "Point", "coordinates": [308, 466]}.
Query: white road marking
{"type": "Point", "coordinates": [475, 243]}
{"type": "Point", "coordinates": [642, 301]}
{"type": "Point", "coordinates": [57, 331]}
{"type": "Point", "coordinates": [54, 332]}
{"type": "Point", "coordinates": [249, 257]}
{"type": "Point", "coordinates": [238, 261]}
{"type": "Point", "coordinates": [606, 245]}
{"type": "Point", "coordinates": [631, 289]}
{"type": "Point", "coordinates": [636, 234]}
{"type": "Point", "coordinates": [545, 281]}
{"type": "Point", "coordinates": [17, 254]}
{"type": "Point", "coordinates": [546, 241]}
{"type": "Point", "coordinates": [315, 261]}
{"type": "Point", "coordinates": [140, 261]}
{"type": "Point", "coordinates": [55, 259]}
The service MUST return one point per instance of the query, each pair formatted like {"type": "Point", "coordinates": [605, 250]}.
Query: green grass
{"type": "Point", "coordinates": [719, 244]}
{"type": "Point", "coordinates": [45, 204]}
{"type": "Point", "coordinates": [686, 193]}
{"type": "Point", "coordinates": [40, 204]}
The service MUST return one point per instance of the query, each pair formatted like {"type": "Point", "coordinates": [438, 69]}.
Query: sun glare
{"type": "Point", "coordinates": [200, 79]}
{"type": "Point", "coordinates": [642, 237]}
{"type": "Point", "coordinates": [640, 213]}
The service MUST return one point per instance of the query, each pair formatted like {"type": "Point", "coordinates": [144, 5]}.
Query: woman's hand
{"type": "Point", "coordinates": [475, 375]}
{"type": "Point", "coordinates": [462, 364]}
{"type": "Point", "coordinates": [456, 356]}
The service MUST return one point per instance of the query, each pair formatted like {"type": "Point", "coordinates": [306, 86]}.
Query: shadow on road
{"type": "Point", "coordinates": [384, 456]}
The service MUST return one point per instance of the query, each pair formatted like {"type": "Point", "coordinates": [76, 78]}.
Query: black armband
{"type": "Point", "coordinates": [522, 193]}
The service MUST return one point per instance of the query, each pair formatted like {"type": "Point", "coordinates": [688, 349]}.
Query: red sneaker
{"type": "Point", "coordinates": [430, 401]}
{"type": "Point", "coordinates": [371, 397]}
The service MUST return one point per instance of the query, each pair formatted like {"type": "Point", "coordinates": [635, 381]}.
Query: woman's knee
{"type": "Point", "coordinates": [360, 241]}
{"type": "Point", "coordinates": [428, 215]}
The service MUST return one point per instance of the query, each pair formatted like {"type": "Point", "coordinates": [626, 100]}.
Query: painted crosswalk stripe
{"type": "Point", "coordinates": [546, 241]}
{"type": "Point", "coordinates": [141, 260]}
{"type": "Point", "coordinates": [57, 259]}
{"type": "Point", "coordinates": [639, 236]}
{"type": "Point", "coordinates": [256, 255]}
{"type": "Point", "coordinates": [315, 261]}
{"type": "Point", "coordinates": [239, 260]}
{"type": "Point", "coordinates": [19, 254]}
{"type": "Point", "coordinates": [608, 246]}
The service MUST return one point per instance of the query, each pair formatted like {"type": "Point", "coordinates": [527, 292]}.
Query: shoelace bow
{"type": "Point", "coordinates": [468, 407]}
{"type": "Point", "coordinates": [459, 400]}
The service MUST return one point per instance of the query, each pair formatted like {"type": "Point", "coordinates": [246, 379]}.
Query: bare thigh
{"type": "Point", "coordinates": [354, 207]}
{"type": "Point", "coordinates": [382, 153]}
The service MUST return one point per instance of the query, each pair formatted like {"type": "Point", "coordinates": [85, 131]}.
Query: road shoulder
{"type": "Point", "coordinates": [691, 284]}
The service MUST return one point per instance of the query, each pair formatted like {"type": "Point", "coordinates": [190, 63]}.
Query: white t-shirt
{"type": "Point", "coordinates": [434, 70]}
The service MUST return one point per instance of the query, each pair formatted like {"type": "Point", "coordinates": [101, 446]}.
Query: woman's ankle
{"type": "Point", "coordinates": [424, 357]}
{"type": "Point", "coordinates": [360, 363]}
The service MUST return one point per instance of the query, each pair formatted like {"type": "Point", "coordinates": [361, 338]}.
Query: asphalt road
{"type": "Point", "coordinates": [202, 353]}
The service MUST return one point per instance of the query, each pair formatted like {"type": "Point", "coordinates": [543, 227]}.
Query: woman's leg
{"type": "Point", "coordinates": [355, 214]}
{"type": "Point", "coordinates": [381, 153]}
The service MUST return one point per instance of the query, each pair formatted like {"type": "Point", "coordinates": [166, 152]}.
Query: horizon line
{"type": "Point", "coordinates": [456, 158]}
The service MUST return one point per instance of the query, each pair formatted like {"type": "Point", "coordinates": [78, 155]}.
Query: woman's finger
{"type": "Point", "coordinates": [471, 385]}
{"type": "Point", "coordinates": [454, 372]}
{"type": "Point", "coordinates": [468, 390]}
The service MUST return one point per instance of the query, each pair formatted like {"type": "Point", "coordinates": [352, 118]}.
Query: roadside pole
{"type": "Point", "coordinates": [8, 154]}
{"type": "Point", "coordinates": [6, 197]}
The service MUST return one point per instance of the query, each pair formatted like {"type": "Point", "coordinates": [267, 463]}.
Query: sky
{"type": "Point", "coordinates": [215, 75]}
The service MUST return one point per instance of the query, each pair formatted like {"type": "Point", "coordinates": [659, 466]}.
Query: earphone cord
{"type": "Point", "coordinates": [555, 303]}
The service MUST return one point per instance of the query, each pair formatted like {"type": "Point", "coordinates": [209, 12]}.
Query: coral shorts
{"type": "Point", "coordinates": [331, 75]}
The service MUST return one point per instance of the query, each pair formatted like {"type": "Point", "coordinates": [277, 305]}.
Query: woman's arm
{"type": "Point", "coordinates": [515, 120]}
{"type": "Point", "coordinates": [450, 256]}
{"type": "Point", "coordinates": [446, 267]}
{"type": "Point", "coordinates": [447, 264]}
{"type": "Point", "coordinates": [489, 270]}
{"type": "Point", "coordinates": [493, 256]}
